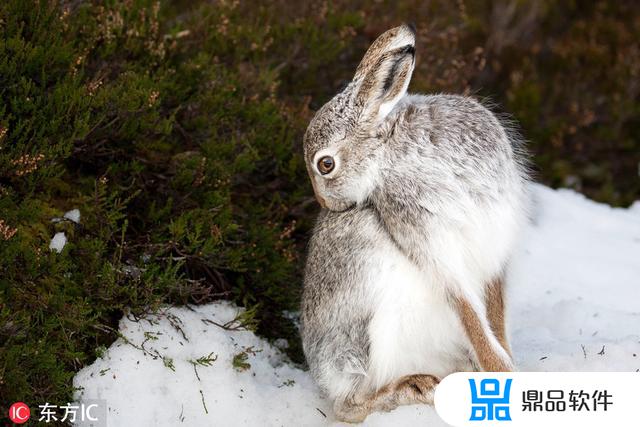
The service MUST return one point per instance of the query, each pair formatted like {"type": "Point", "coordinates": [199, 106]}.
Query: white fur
{"type": "Point", "coordinates": [413, 329]}
{"type": "Point", "coordinates": [403, 38]}
{"type": "Point", "coordinates": [387, 107]}
{"type": "Point", "coordinates": [363, 185]}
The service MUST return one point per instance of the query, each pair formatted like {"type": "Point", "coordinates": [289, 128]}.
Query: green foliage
{"type": "Point", "coordinates": [165, 130]}
{"type": "Point", "coordinates": [175, 128]}
{"type": "Point", "coordinates": [240, 360]}
{"type": "Point", "coordinates": [204, 360]}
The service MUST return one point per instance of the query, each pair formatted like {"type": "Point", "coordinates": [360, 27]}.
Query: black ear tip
{"type": "Point", "coordinates": [411, 26]}
{"type": "Point", "coordinates": [410, 49]}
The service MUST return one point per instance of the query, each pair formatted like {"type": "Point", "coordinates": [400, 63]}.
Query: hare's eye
{"type": "Point", "coordinates": [326, 164]}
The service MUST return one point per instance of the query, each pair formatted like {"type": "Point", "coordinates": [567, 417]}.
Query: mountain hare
{"type": "Point", "coordinates": [424, 197]}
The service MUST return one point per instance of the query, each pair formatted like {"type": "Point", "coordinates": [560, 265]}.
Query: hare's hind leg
{"type": "Point", "coordinates": [408, 390]}
{"type": "Point", "coordinates": [491, 354]}
{"type": "Point", "coordinates": [494, 300]}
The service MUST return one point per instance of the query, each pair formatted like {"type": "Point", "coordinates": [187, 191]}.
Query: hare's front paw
{"type": "Point", "coordinates": [418, 388]}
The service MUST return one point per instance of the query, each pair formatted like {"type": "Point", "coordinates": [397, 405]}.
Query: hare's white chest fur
{"type": "Point", "coordinates": [415, 328]}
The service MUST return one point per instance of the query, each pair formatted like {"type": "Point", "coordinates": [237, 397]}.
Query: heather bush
{"type": "Point", "coordinates": [167, 134]}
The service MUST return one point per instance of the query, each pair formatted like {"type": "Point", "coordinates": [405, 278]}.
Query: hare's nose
{"type": "Point", "coordinates": [319, 198]}
{"type": "Point", "coordinates": [323, 204]}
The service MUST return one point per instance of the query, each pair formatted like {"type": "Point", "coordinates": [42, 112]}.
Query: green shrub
{"type": "Point", "coordinates": [165, 130]}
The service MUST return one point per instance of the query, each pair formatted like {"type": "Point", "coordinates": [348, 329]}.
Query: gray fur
{"type": "Point", "coordinates": [431, 167]}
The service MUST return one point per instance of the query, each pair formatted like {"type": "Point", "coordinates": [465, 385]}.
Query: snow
{"type": "Point", "coordinates": [140, 388]}
{"type": "Point", "coordinates": [574, 287]}
{"type": "Point", "coordinates": [58, 241]}
{"type": "Point", "coordinates": [73, 215]}
{"type": "Point", "coordinates": [574, 306]}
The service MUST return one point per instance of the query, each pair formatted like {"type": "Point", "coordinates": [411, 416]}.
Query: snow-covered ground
{"type": "Point", "coordinates": [574, 295]}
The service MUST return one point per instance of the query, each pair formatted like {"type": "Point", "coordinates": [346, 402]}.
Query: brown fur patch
{"type": "Point", "coordinates": [408, 390]}
{"type": "Point", "coordinates": [494, 300]}
{"type": "Point", "coordinates": [488, 358]}
{"type": "Point", "coordinates": [371, 57]}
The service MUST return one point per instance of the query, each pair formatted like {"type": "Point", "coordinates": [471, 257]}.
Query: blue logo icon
{"type": "Point", "coordinates": [486, 401]}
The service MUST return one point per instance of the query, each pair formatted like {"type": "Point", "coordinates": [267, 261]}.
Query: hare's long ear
{"type": "Point", "coordinates": [385, 71]}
